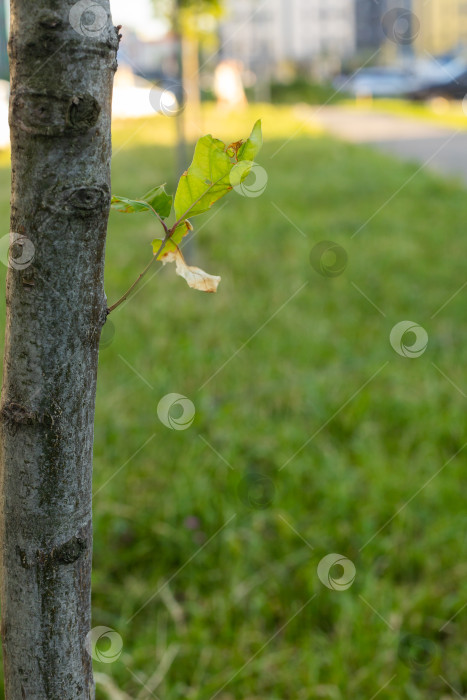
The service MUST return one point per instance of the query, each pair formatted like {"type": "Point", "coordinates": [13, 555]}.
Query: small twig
{"type": "Point", "coordinates": [161, 220]}
{"type": "Point", "coordinates": [168, 235]}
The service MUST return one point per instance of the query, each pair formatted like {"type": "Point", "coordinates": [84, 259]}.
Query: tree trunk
{"type": "Point", "coordinates": [62, 59]}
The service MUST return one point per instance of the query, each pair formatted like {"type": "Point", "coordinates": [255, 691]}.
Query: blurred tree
{"type": "Point", "coordinates": [192, 22]}
{"type": "Point", "coordinates": [185, 10]}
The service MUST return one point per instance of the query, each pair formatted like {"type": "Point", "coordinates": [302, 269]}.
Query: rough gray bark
{"type": "Point", "coordinates": [60, 130]}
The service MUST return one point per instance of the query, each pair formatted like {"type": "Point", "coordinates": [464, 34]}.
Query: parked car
{"type": "Point", "coordinates": [422, 78]}
{"type": "Point", "coordinates": [378, 82]}
{"type": "Point", "coordinates": [453, 88]}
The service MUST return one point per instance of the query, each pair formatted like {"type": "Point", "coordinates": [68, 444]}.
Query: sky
{"type": "Point", "coordinates": [138, 15]}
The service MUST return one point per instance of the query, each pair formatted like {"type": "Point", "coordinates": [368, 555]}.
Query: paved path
{"type": "Point", "coordinates": [441, 149]}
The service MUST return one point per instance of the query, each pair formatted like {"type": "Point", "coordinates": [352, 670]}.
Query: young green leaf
{"type": "Point", "coordinates": [159, 200]}
{"type": "Point", "coordinates": [240, 172]}
{"type": "Point", "coordinates": [181, 231]}
{"type": "Point", "coordinates": [252, 146]}
{"type": "Point", "coordinates": [128, 206]}
{"type": "Point", "coordinates": [156, 200]}
{"type": "Point", "coordinates": [158, 250]}
{"type": "Point", "coordinates": [206, 180]}
{"type": "Point", "coordinates": [175, 239]}
{"type": "Point", "coordinates": [216, 169]}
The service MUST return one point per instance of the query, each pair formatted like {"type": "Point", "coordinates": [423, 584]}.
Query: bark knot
{"type": "Point", "coordinates": [50, 20]}
{"type": "Point", "coordinates": [48, 113]}
{"type": "Point", "coordinates": [83, 112]}
{"type": "Point", "coordinates": [62, 555]}
{"type": "Point", "coordinates": [13, 413]}
{"type": "Point", "coordinates": [66, 553]}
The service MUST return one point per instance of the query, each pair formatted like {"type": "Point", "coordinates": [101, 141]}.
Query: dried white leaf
{"type": "Point", "coordinates": [194, 276]}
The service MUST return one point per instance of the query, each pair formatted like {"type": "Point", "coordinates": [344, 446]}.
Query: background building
{"type": "Point", "coordinates": [433, 26]}
{"type": "Point", "coordinates": [287, 30]}
{"type": "Point", "coordinates": [443, 25]}
{"type": "Point", "coordinates": [368, 24]}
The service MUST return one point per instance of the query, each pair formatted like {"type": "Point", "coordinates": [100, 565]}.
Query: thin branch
{"type": "Point", "coordinates": [168, 235]}
{"type": "Point", "coordinates": [161, 220]}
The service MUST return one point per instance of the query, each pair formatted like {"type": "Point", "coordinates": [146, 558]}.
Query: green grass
{"type": "Point", "coordinates": [268, 370]}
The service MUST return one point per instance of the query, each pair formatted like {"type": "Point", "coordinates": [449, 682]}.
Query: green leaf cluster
{"type": "Point", "coordinates": [215, 170]}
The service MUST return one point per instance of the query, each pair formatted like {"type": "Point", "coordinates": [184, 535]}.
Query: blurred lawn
{"type": "Point", "coordinates": [226, 581]}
